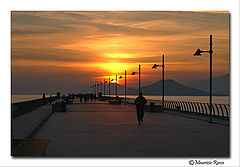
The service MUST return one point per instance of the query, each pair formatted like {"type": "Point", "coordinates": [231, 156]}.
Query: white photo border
{"type": "Point", "coordinates": [114, 5]}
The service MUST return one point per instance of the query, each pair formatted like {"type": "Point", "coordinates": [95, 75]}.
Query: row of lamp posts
{"type": "Point", "coordinates": [197, 53]}
{"type": "Point", "coordinates": [95, 89]}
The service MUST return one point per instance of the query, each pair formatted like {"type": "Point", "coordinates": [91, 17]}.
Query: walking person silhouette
{"type": "Point", "coordinates": [140, 102]}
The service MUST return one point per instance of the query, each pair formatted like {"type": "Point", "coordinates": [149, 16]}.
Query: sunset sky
{"type": "Point", "coordinates": [68, 51]}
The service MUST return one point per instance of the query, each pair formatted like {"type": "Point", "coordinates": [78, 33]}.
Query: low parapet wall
{"type": "Point", "coordinates": [21, 108]}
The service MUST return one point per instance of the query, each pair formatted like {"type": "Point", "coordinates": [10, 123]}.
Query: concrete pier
{"type": "Point", "coordinates": [98, 129]}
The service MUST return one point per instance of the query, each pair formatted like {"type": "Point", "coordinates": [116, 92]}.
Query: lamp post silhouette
{"type": "Point", "coordinates": [210, 51]}
{"type": "Point", "coordinates": [104, 87]}
{"type": "Point", "coordinates": [92, 86]}
{"type": "Point", "coordinates": [155, 66]}
{"type": "Point", "coordinates": [101, 87]}
{"type": "Point", "coordinates": [125, 85]}
{"type": "Point", "coordinates": [109, 87]}
{"type": "Point", "coordinates": [139, 79]}
{"type": "Point", "coordinates": [116, 86]}
{"type": "Point", "coordinates": [95, 89]}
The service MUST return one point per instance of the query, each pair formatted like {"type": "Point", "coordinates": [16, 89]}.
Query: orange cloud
{"type": "Point", "coordinates": [97, 45]}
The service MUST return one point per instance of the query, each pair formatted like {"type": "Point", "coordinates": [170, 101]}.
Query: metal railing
{"type": "Point", "coordinates": [218, 110]}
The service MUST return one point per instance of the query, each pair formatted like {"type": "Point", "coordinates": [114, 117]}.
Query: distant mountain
{"type": "Point", "coordinates": [120, 89]}
{"type": "Point", "coordinates": [220, 85]}
{"type": "Point", "coordinates": [172, 88]}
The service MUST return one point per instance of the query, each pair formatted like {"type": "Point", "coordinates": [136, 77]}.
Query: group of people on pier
{"type": "Point", "coordinates": [140, 101]}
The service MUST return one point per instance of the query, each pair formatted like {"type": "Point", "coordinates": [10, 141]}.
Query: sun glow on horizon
{"type": "Point", "coordinates": [120, 55]}
{"type": "Point", "coordinates": [93, 46]}
{"type": "Point", "coordinates": [115, 67]}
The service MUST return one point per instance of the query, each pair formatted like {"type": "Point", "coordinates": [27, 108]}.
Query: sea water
{"type": "Point", "coordinates": [201, 99]}
{"type": "Point", "coordinates": [22, 98]}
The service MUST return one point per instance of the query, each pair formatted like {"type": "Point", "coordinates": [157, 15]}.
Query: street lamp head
{"type": "Point", "coordinates": [111, 79]}
{"type": "Point", "coordinates": [133, 73]}
{"type": "Point", "coordinates": [155, 66]}
{"type": "Point", "coordinates": [198, 52]}
{"type": "Point", "coordinates": [105, 82]}
{"type": "Point", "coordinates": [120, 77]}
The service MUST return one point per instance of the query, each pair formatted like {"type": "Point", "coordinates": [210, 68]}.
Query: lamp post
{"type": "Point", "coordinates": [101, 87]}
{"type": "Point", "coordinates": [139, 79]}
{"type": "Point", "coordinates": [155, 66]}
{"type": "Point", "coordinates": [95, 89]}
{"type": "Point", "coordinates": [104, 87]}
{"type": "Point", "coordinates": [116, 85]}
{"type": "Point", "coordinates": [92, 86]}
{"type": "Point", "coordinates": [109, 84]}
{"type": "Point", "coordinates": [125, 85]}
{"type": "Point", "coordinates": [210, 51]}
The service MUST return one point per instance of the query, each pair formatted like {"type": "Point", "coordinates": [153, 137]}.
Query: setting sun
{"type": "Point", "coordinates": [120, 84]}
{"type": "Point", "coordinates": [78, 48]}
{"type": "Point", "coordinates": [115, 67]}
{"type": "Point", "coordinates": [113, 81]}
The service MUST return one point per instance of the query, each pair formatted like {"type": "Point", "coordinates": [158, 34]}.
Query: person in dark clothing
{"type": "Point", "coordinates": [50, 100]}
{"type": "Point", "coordinates": [118, 99]}
{"type": "Point", "coordinates": [85, 98]}
{"type": "Point", "coordinates": [140, 102]}
{"type": "Point", "coordinates": [91, 96]}
{"type": "Point", "coordinates": [44, 98]}
{"type": "Point", "coordinates": [80, 97]}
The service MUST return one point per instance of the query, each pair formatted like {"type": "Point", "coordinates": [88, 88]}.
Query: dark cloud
{"type": "Point", "coordinates": [53, 54]}
{"type": "Point", "coordinates": [63, 21]}
{"type": "Point", "coordinates": [72, 37]}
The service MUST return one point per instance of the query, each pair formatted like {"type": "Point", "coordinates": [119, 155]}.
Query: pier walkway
{"type": "Point", "coordinates": [25, 124]}
{"type": "Point", "coordinates": [97, 129]}
{"type": "Point", "coordinates": [103, 130]}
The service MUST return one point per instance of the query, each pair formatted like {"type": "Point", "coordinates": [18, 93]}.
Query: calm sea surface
{"type": "Point", "coordinates": [22, 98]}
{"type": "Point", "coordinates": [202, 99]}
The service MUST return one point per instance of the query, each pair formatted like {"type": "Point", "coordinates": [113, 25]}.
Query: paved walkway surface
{"type": "Point", "coordinates": [103, 130]}
{"type": "Point", "coordinates": [26, 123]}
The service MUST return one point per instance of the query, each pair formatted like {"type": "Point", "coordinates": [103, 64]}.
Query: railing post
{"type": "Point", "coordinates": [226, 110]}
{"type": "Point", "coordinates": [221, 110]}
{"type": "Point", "coordinates": [190, 107]}
{"type": "Point", "coordinates": [217, 109]}
{"type": "Point", "coordinates": [214, 112]}
{"type": "Point", "coordinates": [199, 109]}
{"type": "Point", "coordinates": [203, 113]}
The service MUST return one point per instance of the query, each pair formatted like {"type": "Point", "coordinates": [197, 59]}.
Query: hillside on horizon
{"type": "Point", "coordinates": [172, 88]}
{"type": "Point", "coordinates": [220, 84]}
